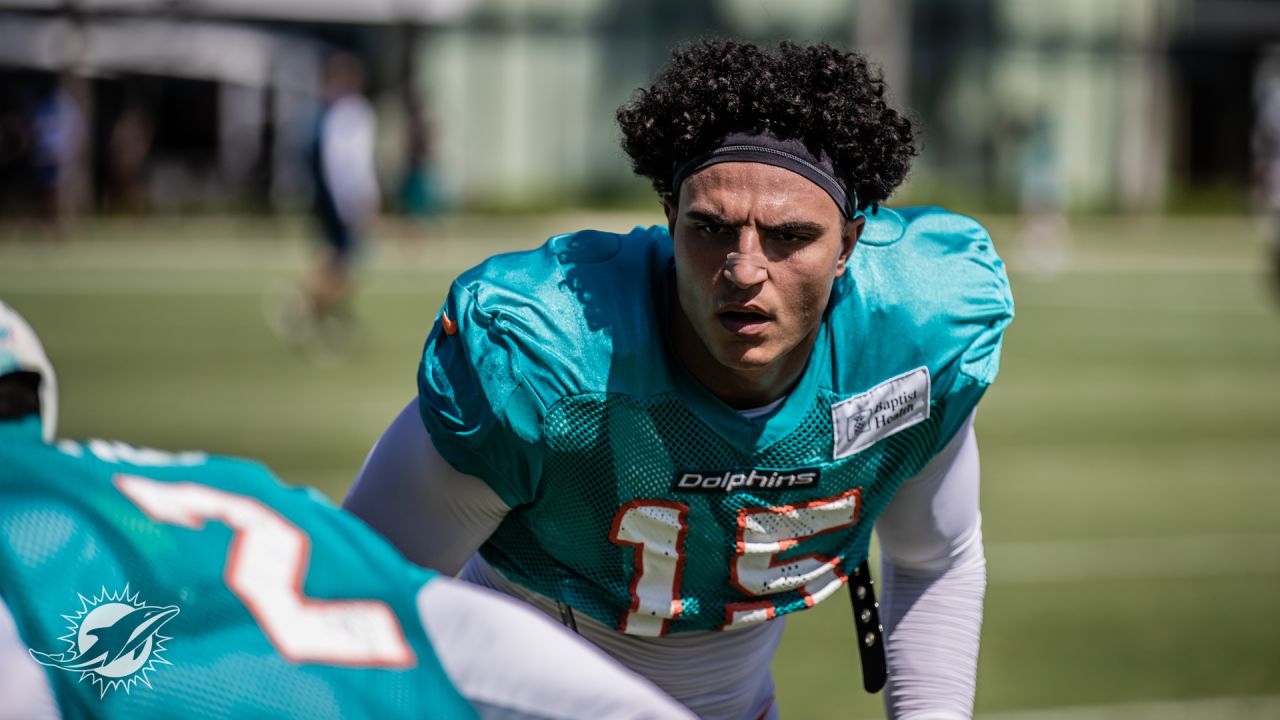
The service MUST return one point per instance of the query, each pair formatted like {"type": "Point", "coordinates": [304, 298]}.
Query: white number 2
{"type": "Point", "coordinates": [657, 529]}
{"type": "Point", "coordinates": [266, 564]}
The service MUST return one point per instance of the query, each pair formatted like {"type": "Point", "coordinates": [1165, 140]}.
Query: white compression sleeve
{"type": "Point", "coordinates": [435, 515]}
{"type": "Point", "coordinates": [512, 662]}
{"type": "Point", "coordinates": [23, 686]}
{"type": "Point", "coordinates": [934, 575]}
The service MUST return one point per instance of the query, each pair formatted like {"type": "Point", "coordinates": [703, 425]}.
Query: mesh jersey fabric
{"type": "Point", "coordinates": [67, 533]}
{"type": "Point", "coordinates": [555, 385]}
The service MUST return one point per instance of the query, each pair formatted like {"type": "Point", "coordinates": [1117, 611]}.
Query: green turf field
{"type": "Point", "coordinates": [1131, 448]}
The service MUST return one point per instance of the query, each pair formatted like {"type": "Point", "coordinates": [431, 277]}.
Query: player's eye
{"type": "Point", "coordinates": [712, 228]}
{"type": "Point", "coordinates": [786, 237]}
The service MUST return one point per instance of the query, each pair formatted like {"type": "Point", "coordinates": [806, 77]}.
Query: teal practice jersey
{"type": "Point", "coordinates": [158, 585]}
{"type": "Point", "coordinates": [643, 500]}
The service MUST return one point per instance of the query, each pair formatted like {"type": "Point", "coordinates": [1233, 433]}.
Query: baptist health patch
{"type": "Point", "coordinates": [890, 407]}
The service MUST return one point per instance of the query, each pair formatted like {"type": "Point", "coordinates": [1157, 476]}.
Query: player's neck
{"type": "Point", "coordinates": [738, 387]}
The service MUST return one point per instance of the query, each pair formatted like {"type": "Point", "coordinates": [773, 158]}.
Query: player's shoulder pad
{"type": "Point", "coordinates": [934, 276]}
{"type": "Point", "coordinates": [925, 287]}
{"type": "Point", "coordinates": [518, 332]}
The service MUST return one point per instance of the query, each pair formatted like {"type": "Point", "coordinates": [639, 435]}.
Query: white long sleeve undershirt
{"type": "Point", "coordinates": [934, 576]}
{"type": "Point", "coordinates": [933, 572]}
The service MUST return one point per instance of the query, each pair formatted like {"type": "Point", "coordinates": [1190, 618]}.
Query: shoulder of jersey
{"type": "Point", "coordinates": [92, 464]}
{"type": "Point", "coordinates": [566, 312]}
{"type": "Point", "coordinates": [925, 287]}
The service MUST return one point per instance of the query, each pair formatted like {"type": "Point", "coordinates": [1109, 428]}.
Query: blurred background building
{"type": "Point", "coordinates": [129, 105]}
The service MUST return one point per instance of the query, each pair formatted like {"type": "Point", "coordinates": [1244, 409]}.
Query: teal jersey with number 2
{"type": "Point", "coordinates": [640, 498]}
{"type": "Point", "coordinates": [158, 585]}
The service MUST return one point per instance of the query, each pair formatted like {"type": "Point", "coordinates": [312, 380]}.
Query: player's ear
{"type": "Point", "coordinates": [848, 239]}
{"type": "Point", "coordinates": [669, 207]}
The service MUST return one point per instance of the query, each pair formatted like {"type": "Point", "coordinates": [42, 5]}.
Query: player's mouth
{"type": "Point", "coordinates": [743, 319]}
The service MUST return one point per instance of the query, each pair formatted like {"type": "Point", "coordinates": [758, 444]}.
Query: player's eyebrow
{"type": "Point", "coordinates": [796, 227]}
{"type": "Point", "coordinates": [710, 217]}
{"type": "Point", "coordinates": [792, 227]}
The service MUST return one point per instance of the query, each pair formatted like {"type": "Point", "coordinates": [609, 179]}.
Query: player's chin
{"type": "Point", "coordinates": [747, 356]}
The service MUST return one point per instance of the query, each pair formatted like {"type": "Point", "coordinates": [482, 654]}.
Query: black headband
{"type": "Point", "coordinates": [768, 149]}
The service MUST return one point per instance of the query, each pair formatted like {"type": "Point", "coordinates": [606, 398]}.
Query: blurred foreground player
{"type": "Point", "coordinates": [674, 437]}
{"type": "Point", "coordinates": [136, 583]}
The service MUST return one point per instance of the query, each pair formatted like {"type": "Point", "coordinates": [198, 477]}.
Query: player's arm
{"type": "Point", "coordinates": [545, 671]}
{"type": "Point", "coordinates": [435, 515]}
{"type": "Point", "coordinates": [935, 575]}
{"type": "Point", "coordinates": [23, 684]}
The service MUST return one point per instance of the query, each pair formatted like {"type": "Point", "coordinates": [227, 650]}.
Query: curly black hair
{"type": "Point", "coordinates": [831, 100]}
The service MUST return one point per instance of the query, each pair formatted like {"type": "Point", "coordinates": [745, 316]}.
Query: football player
{"type": "Point", "coordinates": [136, 583]}
{"type": "Point", "coordinates": [674, 437]}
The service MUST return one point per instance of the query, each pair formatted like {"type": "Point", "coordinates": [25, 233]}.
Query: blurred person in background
{"type": "Point", "coordinates": [418, 200]}
{"type": "Point", "coordinates": [15, 151]}
{"type": "Point", "coordinates": [201, 586]}
{"type": "Point", "coordinates": [58, 132]}
{"type": "Point", "coordinates": [129, 149]}
{"type": "Point", "coordinates": [418, 192]}
{"type": "Point", "coordinates": [674, 437]}
{"type": "Point", "coordinates": [345, 203]}
{"type": "Point", "coordinates": [1266, 158]}
{"type": "Point", "coordinates": [1045, 235]}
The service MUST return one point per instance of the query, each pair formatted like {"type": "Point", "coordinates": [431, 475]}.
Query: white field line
{"type": "Point", "coordinates": [1136, 263]}
{"type": "Point", "coordinates": [1148, 305]}
{"type": "Point", "coordinates": [456, 254]}
{"type": "Point", "coordinates": [1255, 707]}
{"type": "Point", "coordinates": [229, 283]}
{"type": "Point", "coordinates": [137, 284]}
{"type": "Point", "coordinates": [1189, 556]}
{"type": "Point", "coordinates": [268, 278]}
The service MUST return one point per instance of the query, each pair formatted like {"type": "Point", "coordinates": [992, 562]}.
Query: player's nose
{"type": "Point", "coordinates": [746, 266]}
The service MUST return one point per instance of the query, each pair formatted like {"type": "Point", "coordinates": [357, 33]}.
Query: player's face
{"type": "Point", "coordinates": [757, 249]}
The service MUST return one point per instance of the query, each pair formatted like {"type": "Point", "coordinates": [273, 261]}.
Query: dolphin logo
{"type": "Point", "coordinates": [126, 638]}
{"type": "Point", "coordinates": [114, 641]}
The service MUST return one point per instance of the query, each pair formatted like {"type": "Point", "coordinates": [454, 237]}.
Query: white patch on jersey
{"type": "Point", "coordinates": [892, 406]}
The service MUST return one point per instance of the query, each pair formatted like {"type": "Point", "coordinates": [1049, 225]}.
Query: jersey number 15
{"type": "Point", "coordinates": [656, 529]}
